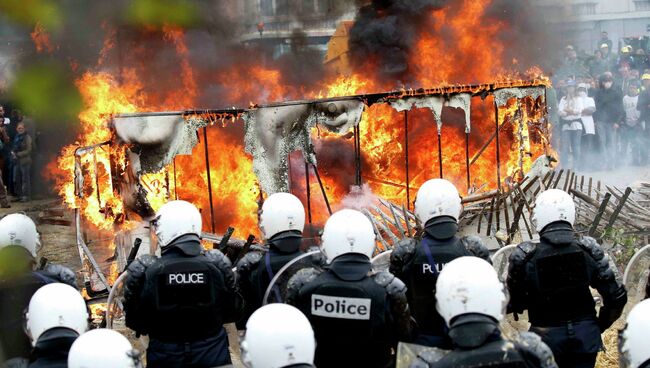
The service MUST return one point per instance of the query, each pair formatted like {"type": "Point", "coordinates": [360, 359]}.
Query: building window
{"type": "Point", "coordinates": [308, 7]}
{"type": "Point", "coordinates": [642, 4]}
{"type": "Point", "coordinates": [584, 9]}
{"type": "Point", "coordinates": [266, 7]}
{"type": "Point", "coordinates": [281, 7]}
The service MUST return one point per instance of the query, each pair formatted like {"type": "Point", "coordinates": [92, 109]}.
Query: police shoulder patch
{"type": "Point", "coordinates": [340, 307]}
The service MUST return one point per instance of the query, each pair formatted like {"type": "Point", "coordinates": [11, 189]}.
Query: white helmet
{"type": "Point", "coordinates": [348, 231]}
{"type": "Point", "coordinates": [176, 218]}
{"type": "Point", "coordinates": [633, 344]}
{"type": "Point", "coordinates": [18, 229]}
{"type": "Point", "coordinates": [278, 335]}
{"type": "Point", "coordinates": [55, 305]}
{"type": "Point", "coordinates": [437, 197]}
{"type": "Point", "coordinates": [281, 212]}
{"type": "Point", "coordinates": [102, 348]}
{"type": "Point", "coordinates": [469, 285]}
{"type": "Point", "coordinates": [553, 205]}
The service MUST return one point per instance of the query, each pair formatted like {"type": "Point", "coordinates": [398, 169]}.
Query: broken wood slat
{"type": "Point", "coordinates": [599, 215]}
{"type": "Point", "coordinates": [515, 221]}
{"type": "Point", "coordinates": [618, 209]}
{"type": "Point", "coordinates": [608, 211]}
{"type": "Point", "coordinates": [54, 221]}
{"type": "Point", "coordinates": [590, 181]}
{"type": "Point", "coordinates": [489, 225]}
{"type": "Point", "coordinates": [557, 180]}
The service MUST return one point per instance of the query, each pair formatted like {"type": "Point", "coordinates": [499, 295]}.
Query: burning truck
{"type": "Point", "coordinates": [369, 151]}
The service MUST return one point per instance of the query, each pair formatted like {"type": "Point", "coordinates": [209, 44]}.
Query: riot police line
{"type": "Point", "coordinates": [330, 307]}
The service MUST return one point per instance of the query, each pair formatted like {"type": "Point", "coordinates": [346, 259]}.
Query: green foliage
{"type": "Point", "coordinates": [626, 245]}
{"type": "Point", "coordinates": [28, 12]}
{"type": "Point", "coordinates": [162, 12]}
{"type": "Point", "coordinates": [46, 92]}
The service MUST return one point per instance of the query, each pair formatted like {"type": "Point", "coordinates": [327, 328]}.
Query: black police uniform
{"type": "Point", "coordinates": [418, 264]}
{"type": "Point", "coordinates": [18, 283]}
{"type": "Point", "coordinates": [256, 269]}
{"type": "Point", "coordinates": [551, 279]}
{"type": "Point", "coordinates": [51, 349]}
{"type": "Point", "coordinates": [478, 343]}
{"type": "Point", "coordinates": [181, 301]}
{"type": "Point", "coordinates": [358, 317]}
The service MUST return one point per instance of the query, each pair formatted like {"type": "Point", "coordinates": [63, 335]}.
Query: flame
{"type": "Point", "coordinates": [41, 39]}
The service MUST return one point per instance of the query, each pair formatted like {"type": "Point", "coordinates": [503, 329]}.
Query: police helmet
{"type": "Point", "coordinates": [55, 305]}
{"type": "Point", "coordinates": [17, 229]}
{"type": "Point", "coordinates": [278, 335]}
{"type": "Point", "coordinates": [437, 197]}
{"type": "Point", "coordinates": [174, 219]}
{"type": "Point", "coordinates": [470, 285]}
{"type": "Point", "coordinates": [103, 348]}
{"type": "Point", "coordinates": [551, 206]}
{"type": "Point", "coordinates": [633, 340]}
{"type": "Point", "coordinates": [348, 231]}
{"type": "Point", "coordinates": [281, 212]}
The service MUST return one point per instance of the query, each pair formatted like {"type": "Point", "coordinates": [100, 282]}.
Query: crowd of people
{"type": "Point", "coordinates": [600, 107]}
{"type": "Point", "coordinates": [16, 149]}
{"type": "Point", "coordinates": [330, 308]}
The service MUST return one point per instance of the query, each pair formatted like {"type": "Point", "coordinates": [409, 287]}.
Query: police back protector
{"type": "Point", "coordinates": [558, 276]}
{"type": "Point", "coordinates": [421, 274]}
{"type": "Point", "coordinates": [498, 354]}
{"type": "Point", "coordinates": [184, 295]}
{"type": "Point", "coordinates": [350, 320]}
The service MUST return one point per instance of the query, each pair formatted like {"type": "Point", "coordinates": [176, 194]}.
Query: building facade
{"type": "Point", "coordinates": [582, 21]}
{"type": "Point", "coordinates": [275, 24]}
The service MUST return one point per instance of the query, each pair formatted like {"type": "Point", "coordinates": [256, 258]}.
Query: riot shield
{"type": "Point", "coordinates": [381, 261]}
{"type": "Point", "coordinates": [500, 261]}
{"type": "Point", "coordinates": [277, 289]}
{"type": "Point", "coordinates": [407, 354]}
{"type": "Point", "coordinates": [636, 275]}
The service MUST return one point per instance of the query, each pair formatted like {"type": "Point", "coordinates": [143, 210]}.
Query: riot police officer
{"type": "Point", "coordinates": [278, 335]}
{"type": "Point", "coordinates": [56, 316]}
{"type": "Point", "coordinates": [472, 301]}
{"type": "Point", "coordinates": [633, 339]}
{"type": "Point", "coordinates": [102, 348]}
{"type": "Point", "coordinates": [357, 317]}
{"type": "Point", "coordinates": [551, 279]}
{"type": "Point", "coordinates": [19, 280]}
{"type": "Point", "coordinates": [418, 263]}
{"type": "Point", "coordinates": [182, 299]}
{"type": "Point", "coordinates": [281, 222]}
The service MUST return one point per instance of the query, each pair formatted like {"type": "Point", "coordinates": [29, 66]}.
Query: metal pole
{"type": "Point", "coordinates": [175, 184]}
{"type": "Point", "coordinates": [406, 159]}
{"type": "Point", "coordinates": [322, 188]}
{"type": "Point", "coordinates": [207, 170]}
{"type": "Point", "coordinates": [440, 152]}
{"type": "Point", "coordinates": [467, 160]}
{"type": "Point", "coordinates": [357, 154]}
{"type": "Point", "coordinates": [99, 197]}
{"type": "Point", "coordinates": [496, 119]}
{"type": "Point", "coordinates": [308, 188]}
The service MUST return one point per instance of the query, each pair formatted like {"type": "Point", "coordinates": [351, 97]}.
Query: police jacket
{"type": "Point", "coordinates": [18, 282]}
{"type": "Point", "coordinates": [478, 343]}
{"type": "Point", "coordinates": [52, 347]}
{"type": "Point", "coordinates": [256, 269]}
{"type": "Point", "coordinates": [184, 296]}
{"type": "Point", "coordinates": [418, 264]}
{"type": "Point", "coordinates": [357, 316]}
{"type": "Point", "coordinates": [552, 278]}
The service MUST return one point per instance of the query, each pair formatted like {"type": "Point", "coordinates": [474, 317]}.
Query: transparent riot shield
{"type": "Point", "coordinates": [277, 289]}
{"type": "Point", "coordinates": [500, 261]}
{"type": "Point", "coordinates": [636, 275]}
{"type": "Point", "coordinates": [381, 261]}
{"type": "Point", "coordinates": [407, 354]}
